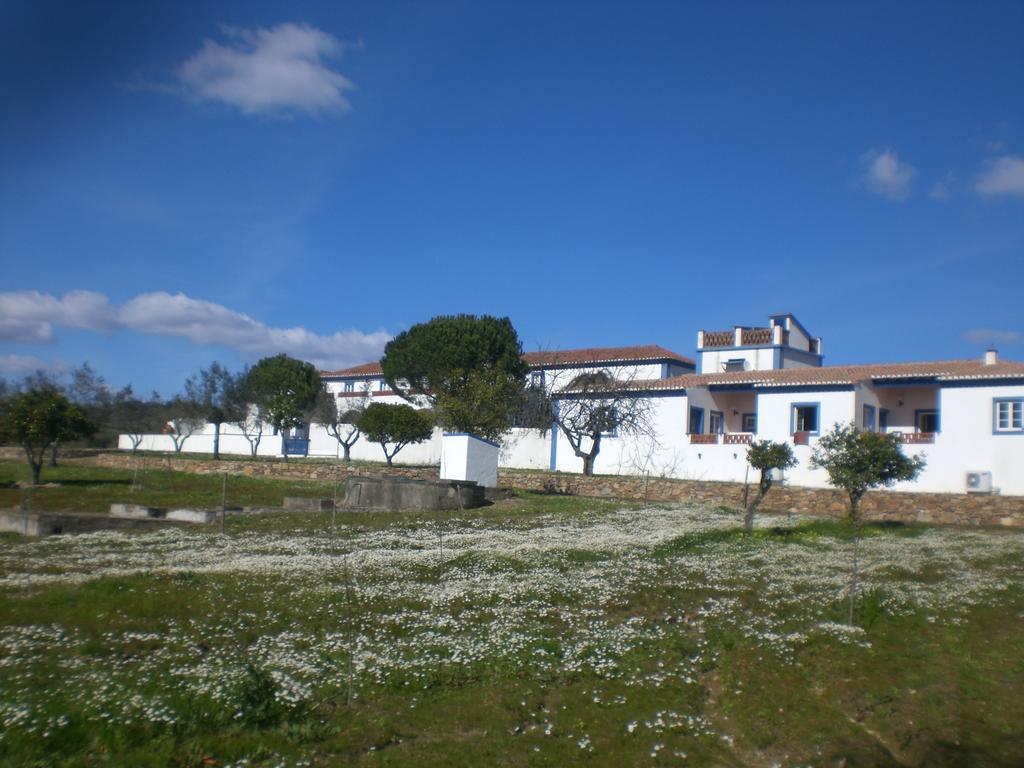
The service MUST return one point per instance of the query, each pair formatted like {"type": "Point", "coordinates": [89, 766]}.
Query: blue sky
{"type": "Point", "coordinates": [187, 182]}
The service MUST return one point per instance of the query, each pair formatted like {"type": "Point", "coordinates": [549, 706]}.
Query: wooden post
{"type": "Point", "coordinates": [223, 502]}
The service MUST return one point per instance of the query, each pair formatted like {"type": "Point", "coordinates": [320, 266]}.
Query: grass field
{"type": "Point", "coordinates": [541, 631]}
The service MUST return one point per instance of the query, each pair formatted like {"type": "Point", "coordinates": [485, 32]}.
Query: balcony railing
{"type": "Point", "coordinates": [916, 438]}
{"type": "Point", "coordinates": [703, 439]}
{"type": "Point", "coordinates": [756, 336]}
{"type": "Point", "coordinates": [719, 338]}
{"type": "Point", "coordinates": [801, 438]}
{"type": "Point", "coordinates": [738, 438]}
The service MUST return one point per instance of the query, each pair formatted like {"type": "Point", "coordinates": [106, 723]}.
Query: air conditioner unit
{"type": "Point", "coordinates": [979, 482]}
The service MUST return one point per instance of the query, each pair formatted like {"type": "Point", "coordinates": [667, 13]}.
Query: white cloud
{"type": "Point", "coordinates": [30, 316]}
{"type": "Point", "coordinates": [277, 70]}
{"type": "Point", "coordinates": [20, 365]}
{"type": "Point", "coordinates": [990, 336]}
{"type": "Point", "coordinates": [1001, 176]}
{"type": "Point", "coordinates": [885, 175]}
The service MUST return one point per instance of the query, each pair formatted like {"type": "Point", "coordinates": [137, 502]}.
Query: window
{"type": "Point", "coordinates": [805, 417]}
{"type": "Point", "coordinates": [750, 422]}
{"type": "Point", "coordinates": [926, 421]}
{"type": "Point", "coordinates": [696, 425]}
{"type": "Point", "coordinates": [883, 420]}
{"type": "Point", "coordinates": [868, 418]}
{"type": "Point", "coordinates": [349, 386]}
{"type": "Point", "coordinates": [537, 379]}
{"type": "Point", "coordinates": [1009, 415]}
{"type": "Point", "coordinates": [716, 423]}
{"type": "Point", "coordinates": [735, 364]}
{"type": "Point", "coordinates": [382, 386]}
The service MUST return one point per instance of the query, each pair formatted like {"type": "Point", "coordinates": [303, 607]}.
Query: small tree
{"type": "Point", "coordinates": [766, 456]}
{"type": "Point", "coordinates": [184, 418]}
{"type": "Point", "coordinates": [248, 415]}
{"type": "Point", "coordinates": [469, 368]}
{"type": "Point", "coordinates": [284, 390]}
{"type": "Point", "coordinates": [213, 390]}
{"type": "Point", "coordinates": [135, 418]}
{"type": "Point", "coordinates": [595, 405]}
{"type": "Point", "coordinates": [36, 419]}
{"type": "Point", "coordinates": [397, 425]}
{"type": "Point", "coordinates": [340, 424]}
{"type": "Point", "coordinates": [857, 461]}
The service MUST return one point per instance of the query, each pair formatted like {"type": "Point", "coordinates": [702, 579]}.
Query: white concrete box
{"type": "Point", "coordinates": [468, 457]}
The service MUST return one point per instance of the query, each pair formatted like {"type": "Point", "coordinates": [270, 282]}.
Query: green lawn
{"type": "Point", "coordinates": [541, 631]}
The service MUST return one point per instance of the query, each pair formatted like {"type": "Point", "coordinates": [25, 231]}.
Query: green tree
{"type": "Point", "coordinates": [857, 461]}
{"type": "Point", "coordinates": [395, 425]}
{"type": "Point", "coordinates": [766, 456]}
{"type": "Point", "coordinates": [213, 391]}
{"type": "Point", "coordinates": [284, 390]}
{"type": "Point", "coordinates": [39, 417]}
{"type": "Point", "coordinates": [470, 368]}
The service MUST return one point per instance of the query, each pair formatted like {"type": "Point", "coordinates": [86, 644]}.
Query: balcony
{"type": "Point", "coordinates": [801, 438]}
{"type": "Point", "coordinates": [737, 438]}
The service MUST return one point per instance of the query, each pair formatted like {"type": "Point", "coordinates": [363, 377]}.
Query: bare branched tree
{"type": "Point", "coordinates": [598, 404]}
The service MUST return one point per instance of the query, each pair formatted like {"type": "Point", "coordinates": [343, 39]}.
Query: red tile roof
{"type": "Point", "coordinates": [366, 369]}
{"type": "Point", "coordinates": [942, 370]}
{"type": "Point", "coordinates": [647, 352]}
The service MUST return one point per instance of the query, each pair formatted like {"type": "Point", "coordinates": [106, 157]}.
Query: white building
{"type": "Point", "coordinates": [751, 383]}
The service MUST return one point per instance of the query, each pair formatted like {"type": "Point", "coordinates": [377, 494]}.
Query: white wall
{"type": "Point", "coordinates": [757, 359]}
{"type": "Point", "coordinates": [966, 441]}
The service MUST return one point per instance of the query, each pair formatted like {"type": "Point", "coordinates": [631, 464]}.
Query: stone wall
{"type": "Point", "coordinates": [948, 509]}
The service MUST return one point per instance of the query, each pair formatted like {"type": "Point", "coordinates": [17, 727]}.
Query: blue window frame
{"type": "Point", "coordinates": [750, 422]}
{"type": "Point", "coordinates": [1008, 415]}
{"type": "Point", "coordinates": [804, 418]}
{"type": "Point", "coordinates": [382, 386]}
{"type": "Point", "coordinates": [696, 423]}
{"type": "Point", "coordinates": [537, 379]}
{"type": "Point", "coordinates": [349, 386]}
{"type": "Point", "coordinates": [883, 419]}
{"type": "Point", "coordinates": [926, 420]}
{"type": "Point", "coordinates": [868, 418]}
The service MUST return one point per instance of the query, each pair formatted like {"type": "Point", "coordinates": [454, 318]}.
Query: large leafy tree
{"type": "Point", "coordinates": [857, 461]}
{"type": "Point", "coordinates": [394, 425]}
{"type": "Point", "coordinates": [214, 392]}
{"type": "Point", "coordinates": [283, 390]}
{"type": "Point", "coordinates": [766, 456]}
{"type": "Point", "coordinates": [37, 418]}
{"type": "Point", "coordinates": [469, 367]}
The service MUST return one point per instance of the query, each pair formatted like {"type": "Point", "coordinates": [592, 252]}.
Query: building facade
{"type": "Point", "coordinates": [749, 383]}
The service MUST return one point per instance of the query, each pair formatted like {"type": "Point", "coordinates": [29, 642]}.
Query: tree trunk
{"type": "Point", "coordinates": [854, 566]}
{"type": "Point", "coordinates": [762, 490]}
{"type": "Point", "coordinates": [216, 441]}
{"type": "Point", "coordinates": [53, 454]}
{"type": "Point", "coordinates": [346, 448]}
{"type": "Point", "coordinates": [588, 465]}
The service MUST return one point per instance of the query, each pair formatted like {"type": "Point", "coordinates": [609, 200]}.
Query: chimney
{"type": "Point", "coordinates": [991, 356]}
